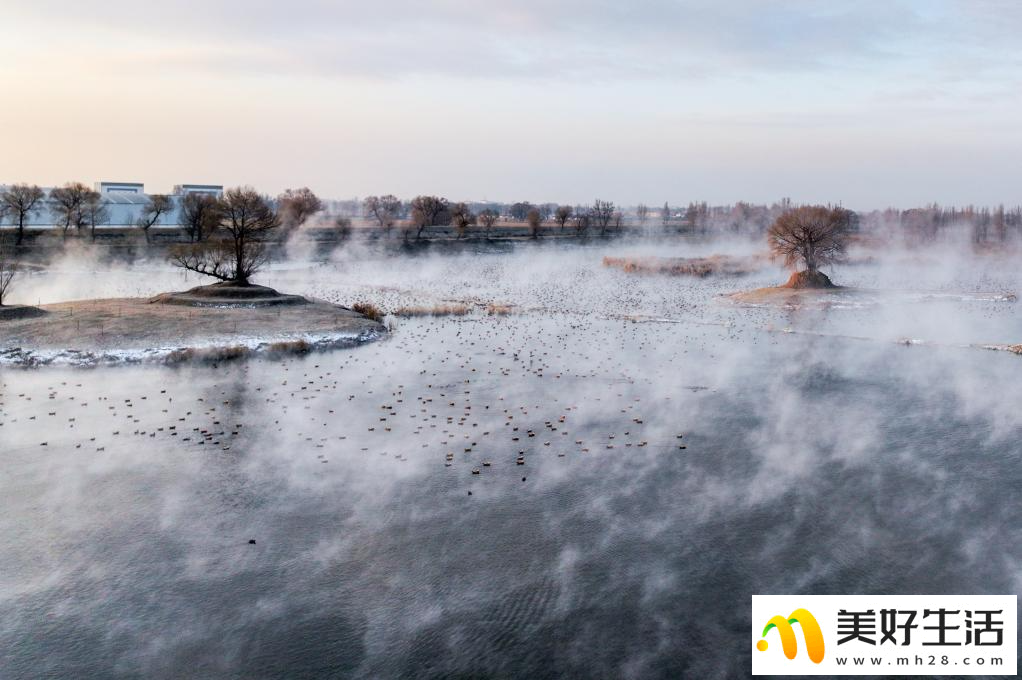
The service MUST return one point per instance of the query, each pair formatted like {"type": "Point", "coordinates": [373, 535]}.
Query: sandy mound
{"type": "Point", "coordinates": [807, 279]}
{"type": "Point", "coordinates": [14, 312]}
{"type": "Point", "coordinates": [229, 294]}
{"type": "Point", "coordinates": [802, 288]}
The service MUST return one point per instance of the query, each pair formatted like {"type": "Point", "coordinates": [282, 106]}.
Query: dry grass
{"type": "Point", "coordinates": [234, 352]}
{"type": "Point", "coordinates": [726, 265]}
{"type": "Point", "coordinates": [497, 309]}
{"type": "Point", "coordinates": [368, 310]}
{"type": "Point", "coordinates": [289, 347]}
{"type": "Point", "coordinates": [435, 310]}
{"type": "Point", "coordinates": [207, 354]}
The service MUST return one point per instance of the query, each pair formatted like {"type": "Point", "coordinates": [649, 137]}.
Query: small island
{"type": "Point", "coordinates": [805, 238]}
{"type": "Point", "coordinates": [226, 320]}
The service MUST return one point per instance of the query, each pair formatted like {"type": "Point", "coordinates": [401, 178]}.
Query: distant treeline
{"type": "Point", "coordinates": [980, 225]}
{"type": "Point", "coordinates": [77, 209]}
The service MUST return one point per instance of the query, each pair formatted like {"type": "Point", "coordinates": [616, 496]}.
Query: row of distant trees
{"type": "Point", "coordinates": [75, 207]}
{"type": "Point", "coordinates": [422, 212]}
{"type": "Point", "coordinates": [981, 225]}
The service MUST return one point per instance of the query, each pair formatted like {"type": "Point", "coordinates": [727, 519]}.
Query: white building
{"type": "Point", "coordinates": [211, 189]}
{"type": "Point", "coordinates": [120, 187]}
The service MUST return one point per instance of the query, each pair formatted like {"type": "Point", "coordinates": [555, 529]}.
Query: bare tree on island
{"type": "Point", "coordinates": [383, 209]}
{"type": "Point", "coordinates": [297, 205]}
{"type": "Point", "coordinates": [200, 215]}
{"type": "Point", "coordinates": [238, 250]}
{"type": "Point", "coordinates": [810, 236]}
{"type": "Point", "coordinates": [21, 201]}
{"type": "Point", "coordinates": [156, 207]}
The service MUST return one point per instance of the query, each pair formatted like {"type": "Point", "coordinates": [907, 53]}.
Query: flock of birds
{"type": "Point", "coordinates": [477, 394]}
{"type": "Point", "coordinates": [569, 372]}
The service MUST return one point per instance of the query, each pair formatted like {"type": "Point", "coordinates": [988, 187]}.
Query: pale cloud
{"type": "Point", "coordinates": [534, 38]}
{"type": "Point", "coordinates": [551, 100]}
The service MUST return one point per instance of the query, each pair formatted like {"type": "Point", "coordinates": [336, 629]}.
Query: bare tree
{"type": "Point", "coordinates": [66, 205]}
{"type": "Point", "coordinates": [562, 215]}
{"type": "Point", "coordinates": [94, 211]}
{"type": "Point", "coordinates": [200, 215]}
{"type": "Point", "coordinates": [665, 214]}
{"type": "Point", "coordinates": [488, 217]}
{"type": "Point", "coordinates": [583, 218]}
{"type": "Point", "coordinates": [642, 214]}
{"type": "Point", "coordinates": [156, 207]}
{"type": "Point", "coordinates": [247, 221]}
{"type": "Point", "coordinates": [384, 209]}
{"type": "Point", "coordinates": [603, 213]}
{"type": "Point", "coordinates": [813, 236]}
{"type": "Point", "coordinates": [297, 205]}
{"type": "Point", "coordinates": [461, 218]}
{"type": "Point", "coordinates": [8, 269]}
{"type": "Point", "coordinates": [22, 201]}
{"type": "Point", "coordinates": [535, 221]}
{"type": "Point", "coordinates": [342, 228]}
{"type": "Point", "coordinates": [520, 210]}
{"type": "Point", "coordinates": [429, 211]}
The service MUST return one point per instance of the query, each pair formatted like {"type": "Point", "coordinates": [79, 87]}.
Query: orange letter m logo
{"type": "Point", "coordinates": [810, 629]}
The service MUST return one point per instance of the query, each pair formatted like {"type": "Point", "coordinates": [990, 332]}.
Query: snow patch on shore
{"type": "Point", "coordinates": [213, 351]}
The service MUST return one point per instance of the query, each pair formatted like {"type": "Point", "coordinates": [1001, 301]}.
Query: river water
{"type": "Point", "coordinates": [591, 486]}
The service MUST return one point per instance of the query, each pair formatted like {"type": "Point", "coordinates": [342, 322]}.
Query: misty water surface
{"type": "Point", "coordinates": [678, 453]}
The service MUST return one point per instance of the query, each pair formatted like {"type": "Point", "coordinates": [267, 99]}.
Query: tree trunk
{"type": "Point", "coordinates": [239, 261]}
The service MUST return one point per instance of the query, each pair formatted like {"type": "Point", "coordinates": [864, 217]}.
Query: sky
{"type": "Point", "coordinates": [867, 103]}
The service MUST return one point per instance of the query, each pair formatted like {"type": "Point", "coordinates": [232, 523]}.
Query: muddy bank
{"type": "Point", "coordinates": [15, 312]}
{"type": "Point", "coordinates": [132, 330]}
